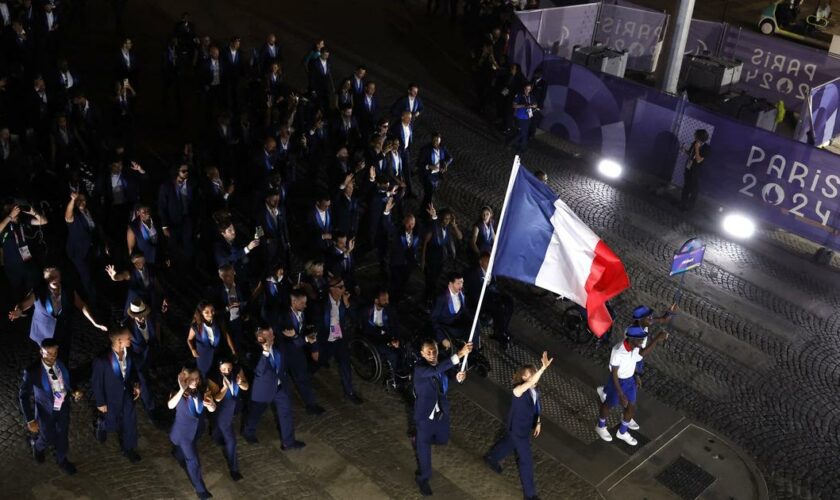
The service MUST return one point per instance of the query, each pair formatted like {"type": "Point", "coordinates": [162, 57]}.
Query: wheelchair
{"type": "Point", "coordinates": [368, 364]}
{"type": "Point", "coordinates": [574, 324]}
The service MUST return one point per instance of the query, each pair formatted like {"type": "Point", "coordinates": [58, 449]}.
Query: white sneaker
{"type": "Point", "coordinates": [632, 425]}
{"type": "Point", "coordinates": [627, 438]}
{"type": "Point", "coordinates": [603, 433]}
{"type": "Point", "coordinates": [601, 394]}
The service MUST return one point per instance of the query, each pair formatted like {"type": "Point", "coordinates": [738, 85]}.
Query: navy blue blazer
{"type": "Point", "coordinates": [275, 301]}
{"type": "Point", "coordinates": [219, 296]}
{"type": "Point", "coordinates": [225, 253]}
{"type": "Point", "coordinates": [523, 415]}
{"type": "Point", "coordinates": [107, 383]}
{"type": "Point", "coordinates": [144, 241]}
{"type": "Point", "coordinates": [187, 419]}
{"type": "Point", "coordinates": [139, 344]}
{"type": "Point", "coordinates": [170, 207]}
{"type": "Point", "coordinates": [346, 213]}
{"type": "Point", "coordinates": [227, 407]}
{"type": "Point", "coordinates": [80, 237]}
{"type": "Point", "coordinates": [316, 228]}
{"type": "Point", "coordinates": [424, 159]}
{"type": "Point", "coordinates": [443, 311]}
{"type": "Point", "coordinates": [289, 322]}
{"type": "Point", "coordinates": [389, 330]}
{"type": "Point", "coordinates": [274, 228]}
{"type": "Point", "coordinates": [400, 253]}
{"type": "Point", "coordinates": [402, 104]}
{"type": "Point", "coordinates": [430, 387]}
{"type": "Point", "coordinates": [366, 113]}
{"type": "Point", "coordinates": [36, 384]}
{"type": "Point", "coordinates": [268, 378]}
{"type": "Point", "coordinates": [345, 317]}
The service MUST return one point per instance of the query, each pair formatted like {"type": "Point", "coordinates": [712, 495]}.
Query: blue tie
{"type": "Point", "coordinates": [444, 382]}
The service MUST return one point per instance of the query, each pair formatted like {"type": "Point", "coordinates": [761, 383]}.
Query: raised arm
{"type": "Point", "coordinates": [522, 388]}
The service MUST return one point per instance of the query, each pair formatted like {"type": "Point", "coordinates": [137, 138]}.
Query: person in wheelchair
{"type": "Point", "coordinates": [605, 338]}
{"type": "Point", "coordinates": [380, 324]}
{"type": "Point", "coordinates": [497, 304]}
{"type": "Point", "coordinates": [452, 318]}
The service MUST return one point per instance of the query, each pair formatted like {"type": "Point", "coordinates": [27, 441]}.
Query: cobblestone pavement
{"type": "Point", "coordinates": [754, 356]}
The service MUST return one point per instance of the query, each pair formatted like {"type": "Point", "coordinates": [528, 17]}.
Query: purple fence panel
{"type": "Point", "coordinates": [792, 185]}
{"type": "Point", "coordinates": [523, 48]}
{"type": "Point", "coordinates": [825, 101]}
{"type": "Point", "coordinates": [704, 36]}
{"type": "Point", "coordinates": [637, 31]}
{"type": "Point", "coordinates": [614, 117]}
{"type": "Point", "coordinates": [564, 28]}
{"type": "Point", "coordinates": [777, 69]}
{"type": "Point", "coordinates": [531, 20]}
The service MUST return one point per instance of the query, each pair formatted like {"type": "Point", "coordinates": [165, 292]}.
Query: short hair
{"type": "Point", "coordinates": [223, 225]}
{"type": "Point", "coordinates": [225, 268]}
{"type": "Point", "coordinates": [297, 293]}
{"type": "Point", "coordinates": [428, 341]}
{"type": "Point", "coordinates": [701, 134]}
{"type": "Point", "coordinates": [412, 85]}
{"type": "Point", "coordinates": [338, 234]}
{"type": "Point", "coordinates": [136, 255]}
{"type": "Point", "coordinates": [452, 276]}
{"type": "Point", "coordinates": [322, 196]}
{"type": "Point", "coordinates": [484, 254]}
{"type": "Point", "coordinates": [116, 331]}
{"type": "Point", "coordinates": [47, 343]}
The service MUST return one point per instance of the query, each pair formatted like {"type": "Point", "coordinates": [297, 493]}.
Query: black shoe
{"type": "Point", "coordinates": [494, 466]}
{"type": "Point", "coordinates": [535, 497]}
{"type": "Point", "coordinates": [132, 456]}
{"type": "Point", "coordinates": [204, 496]}
{"type": "Point", "coordinates": [296, 445]}
{"type": "Point", "coordinates": [37, 455]}
{"type": "Point", "coordinates": [356, 400]}
{"type": "Point", "coordinates": [250, 439]}
{"type": "Point", "coordinates": [425, 489]}
{"type": "Point", "coordinates": [315, 409]}
{"type": "Point", "coordinates": [67, 467]}
{"type": "Point", "coordinates": [235, 475]}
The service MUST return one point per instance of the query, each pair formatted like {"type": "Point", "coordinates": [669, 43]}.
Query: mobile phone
{"type": "Point", "coordinates": [25, 208]}
{"type": "Point", "coordinates": [259, 233]}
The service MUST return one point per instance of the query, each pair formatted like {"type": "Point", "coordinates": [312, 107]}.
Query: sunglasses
{"type": "Point", "coordinates": [52, 374]}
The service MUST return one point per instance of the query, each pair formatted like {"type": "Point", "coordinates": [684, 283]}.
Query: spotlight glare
{"type": "Point", "coordinates": [609, 169]}
{"type": "Point", "coordinates": [738, 226]}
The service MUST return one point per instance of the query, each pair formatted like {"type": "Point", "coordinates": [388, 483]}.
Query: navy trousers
{"type": "Point", "coordinates": [53, 431]}
{"type": "Point", "coordinates": [283, 407]}
{"type": "Point", "coordinates": [522, 446]}
{"type": "Point", "coordinates": [299, 371]}
{"type": "Point", "coordinates": [123, 420]}
{"type": "Point", "coordinates": [338, 349]}
{"type": "Point", "coordinates": [223, 432]}
{"type": "Point", "coordinates": [187, 455]}
{"type": "Point", "coordinates": [430, 432]}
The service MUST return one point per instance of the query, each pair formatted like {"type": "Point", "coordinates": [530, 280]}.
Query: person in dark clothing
{"type": "Point", "coordinates": [697, 153]}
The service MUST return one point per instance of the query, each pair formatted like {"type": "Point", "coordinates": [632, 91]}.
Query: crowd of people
{"type": "Point", "coordinates": [265, 215]}
{"type": "Point", "coordinates": [283, 190]}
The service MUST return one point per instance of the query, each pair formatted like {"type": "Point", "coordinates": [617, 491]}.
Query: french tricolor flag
{"type": "Point", "coordinates": [541, 241]}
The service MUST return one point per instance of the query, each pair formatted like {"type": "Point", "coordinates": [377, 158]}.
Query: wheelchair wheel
{"type": "Point", "coordinates": [365, 359]}
{"type": "Point", "coordinates": [574, 325]}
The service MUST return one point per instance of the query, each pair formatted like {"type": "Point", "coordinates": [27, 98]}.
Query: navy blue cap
{"type": "Point", "coordinates": [635, 332]}
{"type": "Point", "coordinates": [642, 312]}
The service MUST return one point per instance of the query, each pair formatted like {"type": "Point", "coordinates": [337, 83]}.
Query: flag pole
{"type": "Point", "coordinates": [488, 274]}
